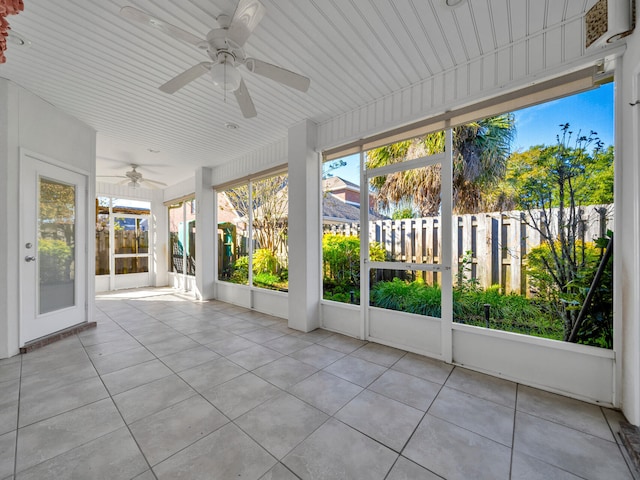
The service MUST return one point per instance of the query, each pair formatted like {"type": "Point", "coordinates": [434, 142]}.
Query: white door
{"type": "Point", "coordinates": [427, 331]}
{"type": "Point", "coordinates": [53, 274]}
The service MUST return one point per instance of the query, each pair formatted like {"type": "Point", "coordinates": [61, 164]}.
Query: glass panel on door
{"type": "Point", "coordinates": [56, 245]}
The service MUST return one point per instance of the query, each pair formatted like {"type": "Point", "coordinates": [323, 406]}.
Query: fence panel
{"type": "Point", "coordinates": [489, 248]}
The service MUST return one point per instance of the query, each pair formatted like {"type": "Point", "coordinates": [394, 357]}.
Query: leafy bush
{"type": "Point", "coordinates": [240, 270]}
{"type": "Point", "coordinates": [411, 297]}
{"type": "Point", "coordinates": [267, 280]}
{"type": "Point", "coordinates": [513, 312]}
{"type": "Point", "coordinates": [566, 302]}
{"type": "Point", "coordinates": [341, 263]}
{"type": "Point", "coordinates": [55, 257]}
{"type": "Point", "coordinates": [264, 261]}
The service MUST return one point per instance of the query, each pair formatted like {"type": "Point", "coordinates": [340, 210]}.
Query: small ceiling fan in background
{"type": "Point", "coordinates": [224, 45]}
{"type": "Point", "coordinates": [134, 179]}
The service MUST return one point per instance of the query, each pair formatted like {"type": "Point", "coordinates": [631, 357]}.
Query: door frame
{"type": "Point", "coordinates": [84, 267]}
{"type": "Point", "coordinates": [441, 328]}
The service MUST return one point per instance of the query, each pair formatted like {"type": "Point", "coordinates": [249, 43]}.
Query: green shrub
{"type": "Point", "coordinates": [341, 263]}
{"type": "Point", "coordinates": [514, 313]}
{"type": "Point", "coordinates": [565, 302]}
{"type": "Point", "coordinates": [264, 261]}
{"type": "Point", "coordinates": [240, 270]}
{"type": "Point", "coordinates": [411, 297]}
{"type": "Point", "coordinates": [266, 280]}
{"type": "Point", "coordinates": [55, 258]}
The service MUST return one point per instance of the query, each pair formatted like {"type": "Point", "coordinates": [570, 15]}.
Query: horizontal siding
{"type": "Point", "coordinates": [270, 156]}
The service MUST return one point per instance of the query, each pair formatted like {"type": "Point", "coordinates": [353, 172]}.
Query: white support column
{"type": "Point", "coordinates": [205, 234]}
{"type": "Point", "coordinates": [627, 232]}
{"type": "Point", "coordinates": [304, 228]}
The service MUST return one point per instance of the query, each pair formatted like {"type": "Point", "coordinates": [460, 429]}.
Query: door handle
{"type": "Point", "coordinates": [30, 258]}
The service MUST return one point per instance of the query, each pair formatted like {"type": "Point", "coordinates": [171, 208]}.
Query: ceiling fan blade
{"type": "Point", "coordinates": [246, 17]}
{"type": "Point", "coordinates": [110, 176]}
{"type": "Point", "coordinates": [176, 83]}
{"type": "Point", "coordinates": [247, 107]}
{"type": "Point", "coordinates": [278, 74]}
{"type": "Point", "coordinates": [153, 182]}
{"type": "Point", "coordinates": [133, 13]}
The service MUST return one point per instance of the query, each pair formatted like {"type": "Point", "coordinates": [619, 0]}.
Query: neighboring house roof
{"type": "Point", "coordinates": [335, 210]}
{"type": "Point", "coordinates": [337, 183]}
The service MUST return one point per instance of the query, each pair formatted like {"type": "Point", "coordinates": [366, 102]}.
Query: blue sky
{"type": "Point", "coordinates": [591, 110]}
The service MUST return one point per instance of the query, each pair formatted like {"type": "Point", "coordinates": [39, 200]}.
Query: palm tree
{"type": "Point", "coordinates": [480, 152]}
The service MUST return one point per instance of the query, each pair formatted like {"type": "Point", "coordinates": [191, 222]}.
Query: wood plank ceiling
{"type": "Point", "coordinates": [103, 69]}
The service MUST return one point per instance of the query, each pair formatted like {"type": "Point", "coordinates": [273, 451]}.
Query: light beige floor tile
{"type": "Point", "coordinates": [7, 453]}
{"type": "Point", "coordinates": [342, 343]}
{"type": "Point", "coordinates": [285, 372]}
{"type": "Point", "coordinates": [566, 411]}
{"type": "Point", "coordinates": [287, 344]}
{"type": "Point", "coordinates": [413, 391]}
{"type": "Point", "coordinates": [407, 470]}
{"type": "Point", "coordinates": [228, 453]}
{"type": "Point", "coordinates": [46, 439]}
{"type": "Point", "coordinates": [326, 392]}
{"type": "Point", "coordinates": [254, 357]}
{"type": "Point", "coordinates": [317, 355]}
{"type": "Point", "coordinates": [239, 395]}
{"type": "Point", "coordinates": [37, 407]}
{"type": "Point", "coordinates": [189, 358]}
{"type": "Point", "coordinates": [525, 467]}
{"type": "Point", "coordinates": [152, 397]}
{"type": "Point", "coordinates": [484, 386]}
{"type": "Point", "coordinates": [380, 354]}
{"type": "Point", "coordinates": [206, 376]}
{"type": "Point", "coordinates": [457, 454]}
{"type": "Point", "coordinates": [114, 456]}
{"type": "Point", "coordinates": [582, 454]}
{"type": "Point", "coordinates": [170, 430]}
{"type": "Point", "coordinates": [38, 384]}
{"type": "Point", "coordinates": [108, 348]}
{"type": "Point", "coordinates": [231, 345]}
{"type": "Point", "coordinates": [100, 335]}
{"type": "Point", "coordinates": [356, 370]}
{"type": "Point", "coordinates": [423, 367]}
{"type": "Point", "coordinates": [316, 335]}
{"type": "Point", "coordinates": [211, 335]}
{"type": "Point", "coordinates": [281, 423]}
{"type": "Point", "coordinates": [481, 416]}
{"type": "Point", "coordinates": [132, 377]}
{"type": "Point", "coordinates": [279, 472]}
{"type": "Point", "coordinates": [336, 451]}
{"type": "Point", "coordinates": [172, 345]}
{"type": "Point", "coordinates": [383, 419]}
{"type": "Point", "coordinates": [117, 361]}
{"type": "Point", "coordinates": [54, 361]}
{"type": "Point", "coordinates": [9, 371]}
{"type": "Point", "coordinates": [9, 392]}
{"type": "Point", "coordinates": [262, 335]}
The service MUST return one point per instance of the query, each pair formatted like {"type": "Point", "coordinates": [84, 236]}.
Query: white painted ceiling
{"type": "Point", "coordinates": [105, 70]}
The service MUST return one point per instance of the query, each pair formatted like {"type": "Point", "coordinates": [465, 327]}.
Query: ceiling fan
{"type": "Point", "coordinates": [224, 45]}
{"type": "Point", "coordinates": [133, 178]}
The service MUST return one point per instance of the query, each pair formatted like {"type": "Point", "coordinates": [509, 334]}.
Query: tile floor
{"type": "Point", "coordinates": [168, 388]}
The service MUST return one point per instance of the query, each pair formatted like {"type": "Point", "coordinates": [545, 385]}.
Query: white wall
{"type": "Point", "coordinates": [28, 122]}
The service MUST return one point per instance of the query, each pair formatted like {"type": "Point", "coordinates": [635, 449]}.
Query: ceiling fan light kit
{"type": "Point", "coordinates": [226, 77]}
{"type": "Point", "coordinates": [224, 45]}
